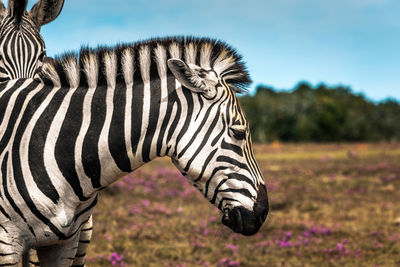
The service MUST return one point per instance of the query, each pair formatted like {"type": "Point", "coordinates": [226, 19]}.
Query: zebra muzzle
{"type": "Point", "coordinates": [248, 222]}
{"type": "Point", "coordinates": [242, 221]}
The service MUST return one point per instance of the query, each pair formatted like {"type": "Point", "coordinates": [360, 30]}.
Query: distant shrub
{"type": "Point", "coordinates": [319, 114]}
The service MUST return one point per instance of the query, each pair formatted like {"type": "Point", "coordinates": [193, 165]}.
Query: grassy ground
{"type": "Point", "coordinates": [331, 205]}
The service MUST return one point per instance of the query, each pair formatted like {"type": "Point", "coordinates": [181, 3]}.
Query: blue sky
{"type": "Point", "coordinates": [349, 42]}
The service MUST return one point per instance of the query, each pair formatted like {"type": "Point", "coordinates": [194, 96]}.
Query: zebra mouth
{"type": "Point", "coordinates": [235, 224]}
{"type": "Point", "coordinates": [242, 221]}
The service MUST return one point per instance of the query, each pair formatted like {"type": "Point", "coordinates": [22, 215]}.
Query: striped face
{"type": "Point", "coordinates": [216, 153]}
{"type": "Point", "coordinates": [21, 48]}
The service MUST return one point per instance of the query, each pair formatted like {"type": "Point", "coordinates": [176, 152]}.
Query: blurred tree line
{"type": "Point", "coordinates": [320, 114]}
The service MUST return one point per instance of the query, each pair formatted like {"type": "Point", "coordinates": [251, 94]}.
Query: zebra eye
{"type": "Point", "coordinates": [42, 55]}
{"type": "Point", "coordinates": [238, 131]}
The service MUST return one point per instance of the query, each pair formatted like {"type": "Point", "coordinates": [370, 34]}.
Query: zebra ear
{"type": "Point", "coordinates": [2, 10]}
{"type": "Point", "coordinates": [46, 11]}
{"type": "Point", "coordinates": [189, 77]}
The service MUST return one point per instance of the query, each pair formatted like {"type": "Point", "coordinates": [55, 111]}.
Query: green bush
{"type": "Point", "coordinates": [319, 114]}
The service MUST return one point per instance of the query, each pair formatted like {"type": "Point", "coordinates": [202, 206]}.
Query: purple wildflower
{"type": "Point", "coordinates": [224, 262]}
{"type": "Point", "coordinates": [198, 244]}
{"type": "Point", "coordinates": [263, 244]}
{"type": "Point", "coordinates": [116, 260]}
{"type": "Point", "coordinates": [288, 235]}
{"type": "Point", "coordinates": [233, 247]}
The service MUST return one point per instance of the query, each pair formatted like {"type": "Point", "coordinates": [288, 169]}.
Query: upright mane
{"type": "Point", "coordinates": [80, 68]}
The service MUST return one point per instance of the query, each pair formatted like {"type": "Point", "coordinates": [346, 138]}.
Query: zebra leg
{"type": "Point", "coordinates": [59, 255]}
{"type": "Point", "coordinates": [11, 248]}
{"type": "Point", "coordinates": [84, 240]}
{"type": "Point", "coordinates": [33, 258]}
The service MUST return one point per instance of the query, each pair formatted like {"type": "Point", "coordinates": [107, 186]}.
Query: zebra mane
{"type": "Point", "coordinates": [122, 63]}
{"type": "Point", "coordinates": [18, 9]}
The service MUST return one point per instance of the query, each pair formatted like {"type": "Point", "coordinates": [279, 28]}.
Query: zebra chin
{"type": "Point", "coordinates": [248, 222]}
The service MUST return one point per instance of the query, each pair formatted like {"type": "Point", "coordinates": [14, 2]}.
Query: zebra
{"type": "Point", "coordinates": [89, 118]}
{"type": "Point", "coordinates": [22, 49]}
{"type": "Point", "coordinates": [22, 52]}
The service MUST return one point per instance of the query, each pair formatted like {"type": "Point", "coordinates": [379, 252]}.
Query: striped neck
{"type": "Point", "coordinates": [133, 108]}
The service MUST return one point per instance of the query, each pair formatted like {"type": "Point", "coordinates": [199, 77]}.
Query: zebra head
{"type": "Point", "coordinates": [221, 162]}
{"type": "Point", "coordinates": [22, 49]}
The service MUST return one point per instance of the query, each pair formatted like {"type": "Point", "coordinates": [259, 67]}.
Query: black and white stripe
{"type": "Point", "coordinates": [98, 115]}
{"type": "Point", "coordinates": [22, 52]}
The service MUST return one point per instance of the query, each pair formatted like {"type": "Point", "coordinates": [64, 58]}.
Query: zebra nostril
{"type": "Point", "coordinates": [227, 220]}
{"type": "Point", "coordinates": [238, 225]}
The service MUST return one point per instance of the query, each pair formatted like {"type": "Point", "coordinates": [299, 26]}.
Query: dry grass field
{"type": "Point", "coordinates": [331, 205]}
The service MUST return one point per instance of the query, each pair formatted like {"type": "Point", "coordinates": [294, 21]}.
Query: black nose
{"type": "Point", "coordinates": [242, 220]}
{"type": "Point", "coordinates": [248, 222]}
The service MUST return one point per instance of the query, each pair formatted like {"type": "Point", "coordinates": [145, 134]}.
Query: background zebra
{"type": "Point", "coordinates": [22, 52]}
{"type": "Point", "coordinates": [105, 113]}
{"type": "Point", "coordinates": [22, 49]}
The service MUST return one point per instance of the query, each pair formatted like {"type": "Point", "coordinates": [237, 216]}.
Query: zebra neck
{"type": "Point", "coordinates": [140, 123]}
{"type": "Point", "coordinates": [122, 121]}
